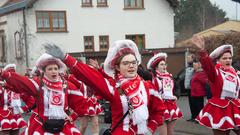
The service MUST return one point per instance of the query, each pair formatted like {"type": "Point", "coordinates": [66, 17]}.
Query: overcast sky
{"type": "Point", "coordinates": [230, 7]}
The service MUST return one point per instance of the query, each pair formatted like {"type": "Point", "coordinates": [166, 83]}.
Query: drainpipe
{"type": "Point", "coordinates": [25, 37]}
{"type": "Point", "coordinates": [186, 54]}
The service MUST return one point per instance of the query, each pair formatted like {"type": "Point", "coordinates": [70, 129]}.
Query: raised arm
{"type": "Point", "coordinates": [83, 72]}
{"type": "Point", "coordinates": [208, 66]}
{"type": "Point", "coordinates": [21, 83]}
{"type": "Point", "coordinates": [89, 76]}
{"type": "Point", "coordinates": [206, 61]}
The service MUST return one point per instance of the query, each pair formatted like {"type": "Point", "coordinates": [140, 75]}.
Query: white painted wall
{"type": "Point", "coordinates": [155, 21]}
{"type": "Point", "coordinates": [14, 23]}
{"type": "Point", "coordinates": [2, 2]}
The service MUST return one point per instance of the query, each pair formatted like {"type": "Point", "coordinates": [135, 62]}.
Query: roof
{"type": "Point", "coordinates": [221, 29]}
{"type": "Point", "coordinates": [10, 2]}
{"type": "Point", "coordinates": [15, 5]}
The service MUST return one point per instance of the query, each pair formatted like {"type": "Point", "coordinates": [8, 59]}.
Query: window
{"type": "Point", "coordinates": [134, 4]}
{"type": "Point", "coordinates": [88, 43]}
{"type": "Point", "coordinates": [102, 3]}
{"type": "Point", "coordinates": [51, 21]}
{"type": "Point", "coordinates": [138, 39]}
{"type": "Point", "coordinates": [103, 43]}
{"type": "Point", "coordinates": [86, 3]}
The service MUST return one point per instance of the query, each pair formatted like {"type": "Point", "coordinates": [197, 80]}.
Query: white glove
{"type": "Point", "coordinates": [55, 51]}
{"type": "Point", "coordinates": [149, 132]}
{"type": "Point", "coordinates": [21, 110]}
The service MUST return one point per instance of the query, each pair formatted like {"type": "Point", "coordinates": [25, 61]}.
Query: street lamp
{"type": "Point", "coordinates": [237, 1]}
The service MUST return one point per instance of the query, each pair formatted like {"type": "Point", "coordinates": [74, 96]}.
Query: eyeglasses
{"type": "Point", "coordinates": [127, 63]}
{"type": "Point", "coordinates": [163, 64]}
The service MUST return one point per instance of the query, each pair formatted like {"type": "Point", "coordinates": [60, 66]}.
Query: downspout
{"type": "Point", "coordinates": [25, 37]}
{"type": "Point", "coordinates": [186, 54]}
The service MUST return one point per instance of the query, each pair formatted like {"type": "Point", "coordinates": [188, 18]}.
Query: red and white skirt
{"type": "Point", "coordinates": [35, 127]}
{"type": "Point", "coordinates": [10, 121]}
{"type": "Point", "coordinates": [172, 112]}
{"type": "Point", "coordinates": [221, 114]}
{"type": "Point", "coordinates": [94, 108]}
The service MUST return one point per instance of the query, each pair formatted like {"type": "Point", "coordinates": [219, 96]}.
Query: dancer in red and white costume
{"type": "Point", "coordinates": [94, 108]}
{"type": "Point", "coordinates": [53, 95]}
{"type": "Point", "coordinates": [222, 111]}
{"type": "Point", "coordinates": [123, 88]}
{"type": "Point", "coordinates": [10, 106]}
{"type": "Point", "coordinates": [165, 85]}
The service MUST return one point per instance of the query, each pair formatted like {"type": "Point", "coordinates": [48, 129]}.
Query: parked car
{"type": "Point", "coordinates": [107, 111]}
{"type": "Point", "coordinates": [179, 82]}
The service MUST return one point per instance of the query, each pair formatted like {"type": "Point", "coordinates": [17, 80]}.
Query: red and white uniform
{"type": "Point", "coordinates": [165, 84]}
{"type": "Point", "coordinates": [51, 100]}
{"type": "Point", "coordinates": [94, 108]}
{"type": "Point", "coordinates": [11, 109]}
{"type": "Point", "coordinates": [106, 88]}
{"type": "Point", "coordinates": [222, 111]}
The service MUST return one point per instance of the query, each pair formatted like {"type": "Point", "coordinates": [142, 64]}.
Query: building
{"type": "Point", "coordinates": [87, 26]}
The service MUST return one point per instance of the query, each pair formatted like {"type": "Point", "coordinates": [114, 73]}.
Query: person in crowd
{"type": "Point", "coordinates": [198, 88]}
{"type": "Point", "coordinates": [53, 95]}
{"type": "Point", "coordinates": [28, 73]}
{"type": "Point", "coordinates": [93, 110]}
{"type": "Point", "coordinates": [164, 83]}
{"type": "Point", "coordinates": [221, 113]}
{"type": "Point", "coordinates": [11, 107]}
{"type": "Point", "coordinates": [144, 73]}
{"type": "Point", "coordinates": [34, 73]}
{"type": "Point", "coordinates": [132, 99]}
{"type": "Point", "coordinates": [188, 76]}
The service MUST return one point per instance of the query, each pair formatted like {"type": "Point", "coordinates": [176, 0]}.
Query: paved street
{"type": "Point", "coordinates": [182, 128]}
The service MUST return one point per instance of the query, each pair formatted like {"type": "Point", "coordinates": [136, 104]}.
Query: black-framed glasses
{"type": "Point", "coordinates": [163, 64]}
{"type": "Point", "coordinates": [127, 63]}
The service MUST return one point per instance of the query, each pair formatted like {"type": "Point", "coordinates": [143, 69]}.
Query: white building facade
{"type": "Point", "coordinates": [83, 26]}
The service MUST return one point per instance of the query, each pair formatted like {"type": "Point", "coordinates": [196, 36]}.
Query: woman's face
{"type": "Point", "coordinates": [162, 67]}
{"type": "Point", "coordinates": [128, 66]}
{"type": "Point", "coordinates": [226, 60]}
{"type": "Point", "coordinates": [52, 72]}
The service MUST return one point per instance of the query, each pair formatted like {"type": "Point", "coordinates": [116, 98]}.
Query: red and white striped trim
{"type": "Point", "coordinates": [74, 92]}
{"type": "Point", "coordinates": [34, 83]}
{"type": "Point", "coordinates": [110, 87]}
{"type": "Point", "coordinates": [220, 123]}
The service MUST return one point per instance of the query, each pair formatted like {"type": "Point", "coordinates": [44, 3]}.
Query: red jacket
{"type": "Point", "coordinates": [198, 84]}
{"type": "Point", "coordinates": [216, 82]}
{"type": "Point", "coordinates": [106, 87]}
{"type": "Point", "coordinates": [73, 99]}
